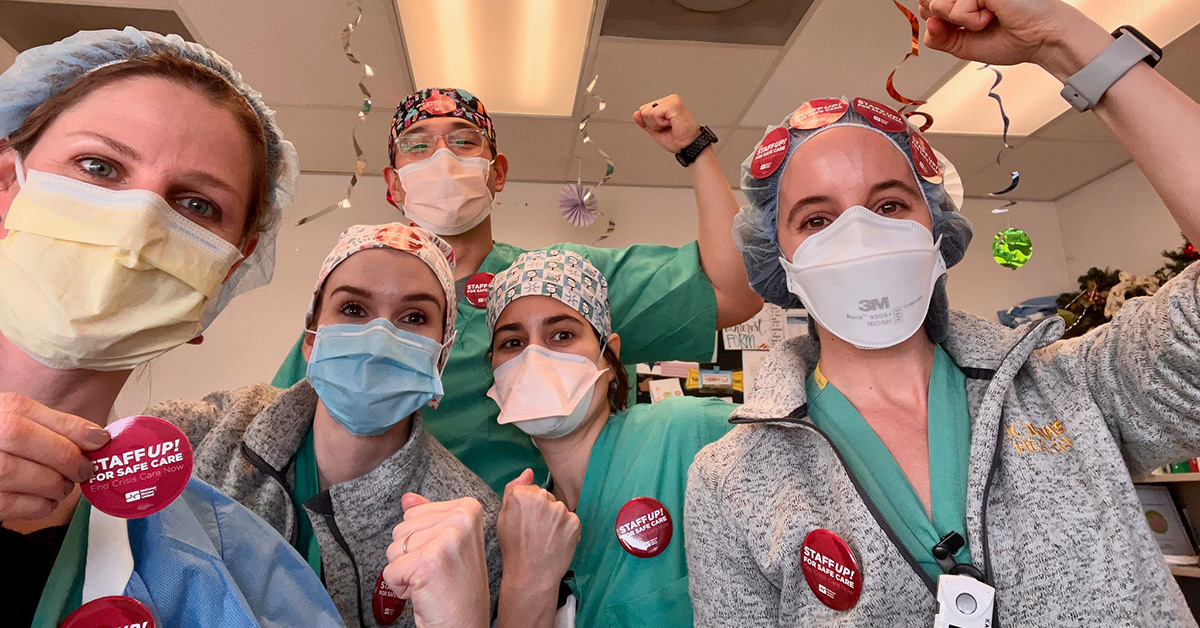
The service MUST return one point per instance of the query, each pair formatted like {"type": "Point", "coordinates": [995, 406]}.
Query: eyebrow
{"type": "Point", "coordinates": [121, 148]}
{"type": "Point", "coordinates": [546, 322]}
{"type": "Point", "coordinates": [891, 184]}
{"type": "Point", "coordinates": [455, 124]}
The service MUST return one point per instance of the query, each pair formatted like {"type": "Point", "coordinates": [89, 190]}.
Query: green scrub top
{"type": "Point", "coordinates": [644, 451]}
{"type": "Point", "coordinates": [306, 487]}
{"type": "Point", "coordinates": [879, 474]}
{"type": "Point", "coordinates": [64, 588]}
{"type": "Point", "coordinates": [662, 305]}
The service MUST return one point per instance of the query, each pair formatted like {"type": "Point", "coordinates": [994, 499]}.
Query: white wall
{"type": "Point", "coordinates": [1116, 221]}
{"type": "Point", "coordinates": [981, 286]}
{"type": "Point", "coordinates": [247, 342]}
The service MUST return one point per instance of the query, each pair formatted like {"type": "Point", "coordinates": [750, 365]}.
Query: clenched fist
{"type": "Point", "coordinates": [437, 560]}
{"type": "Point", "coordinates": [537, 533]}
{"type": "Point", "coordinates": [669, 122]}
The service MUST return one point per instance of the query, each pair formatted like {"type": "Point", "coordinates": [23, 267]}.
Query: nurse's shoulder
{"type": "Point", "coordinates": [225, 415]}
{"type": "Point", "coordinates": [705, 418]}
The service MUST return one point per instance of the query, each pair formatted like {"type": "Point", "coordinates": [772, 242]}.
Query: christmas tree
{"type": "Point", "coordinates": [1095, 302]}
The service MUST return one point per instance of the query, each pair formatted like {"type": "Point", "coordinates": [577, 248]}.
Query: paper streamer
{"type": "Point", "coordinates": [1016, 176]}
{"type": "Point", "coordinates": [360, 164]}
{"type": "Point", "coordinates": [577, 205]}
{"type": "Point", "coordinates": [608, 162]}
{"type": "Point", "coordinates": [915, 51]}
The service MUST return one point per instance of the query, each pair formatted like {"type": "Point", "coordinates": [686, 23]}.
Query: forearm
{"type": "Point", "coordinates": [1156, 122]}
{"type": "Point", "coordinates": [526, 605]}
{"type": "Point", "coordinates": [720, 259]}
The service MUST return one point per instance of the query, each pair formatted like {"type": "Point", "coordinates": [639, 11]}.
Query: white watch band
{"type": "Point", "coordinates": [1085, 88]}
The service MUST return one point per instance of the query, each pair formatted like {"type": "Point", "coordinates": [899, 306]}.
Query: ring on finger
{"type": "Point", "coordinates": [404, 545]}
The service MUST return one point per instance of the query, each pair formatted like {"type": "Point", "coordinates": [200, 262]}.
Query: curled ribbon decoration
{"type": "Point", "coordinates": [360, 163]}
{"type": "Point", "coordinates": [915, 51]}
{"type": "Point", "coordinates": [1016, 176]}
{"type": "Point", "coordinates": [608, 162]}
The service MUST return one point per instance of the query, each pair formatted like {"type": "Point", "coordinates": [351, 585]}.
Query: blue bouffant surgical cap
{"type": "Point", "coordinates": [40, 73]}
{"type": "Point", "coordinates": [755, 229]}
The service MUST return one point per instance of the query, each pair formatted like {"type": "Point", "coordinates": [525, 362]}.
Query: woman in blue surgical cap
{"type": "Point", "coordinates": [909, 455]}
{"type": "Point", "coordinates": [141, 183]}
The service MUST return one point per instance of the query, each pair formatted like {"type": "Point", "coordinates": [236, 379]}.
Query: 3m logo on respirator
{"type": "Point", "coordinates": [874, 305]}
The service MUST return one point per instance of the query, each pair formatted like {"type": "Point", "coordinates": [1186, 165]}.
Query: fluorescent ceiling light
{"type": "Point", "coordinates": [517, 56]}
{"type": "Point", "coordinates": [1030, 94]}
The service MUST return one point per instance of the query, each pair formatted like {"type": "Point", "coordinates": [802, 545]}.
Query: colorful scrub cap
{"type": "Point", "coordinates": [564, 275]}
{"type": "Point", "coordinates": [437, 102]}
{"type": "Point", "coordinates": [431, 249]}
{"type": "Point", "coordinates": [755, 230]}
{"type": "Point", "coordinates": [42, 72]}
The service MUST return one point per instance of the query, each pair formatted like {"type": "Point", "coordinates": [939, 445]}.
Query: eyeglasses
{"type": "Point", "coordinates": [461, 142]}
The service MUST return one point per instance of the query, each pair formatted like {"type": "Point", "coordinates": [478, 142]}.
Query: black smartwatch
{"type": "Point", "coordinates": [692, 151]}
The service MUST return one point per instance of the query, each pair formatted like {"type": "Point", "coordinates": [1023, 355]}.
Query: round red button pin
{"type": "Point", "coordinates": [477, 289]}
{"type": "Point", "coordinates": [831, 569]}
{"type": "Point", "coordinates": [815, 114]}
{"type": "Point", "coordinates": [880, 116]}
{"type": "Point", "coordinates": [386, 605]}
{"type": "Point", "coordinates": [644, 527]}
{"type": "Point", "coordinates": [924, 159]}
{"type": "Point", "coordinates": [770, 153]}
{"type": "Point", "coordinates": [116, 611]}
{"type": "Point", "coordinates": [141, 470]}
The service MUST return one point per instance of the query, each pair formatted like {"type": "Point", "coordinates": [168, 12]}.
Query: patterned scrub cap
{"type": "Point", "coordinates": [438, 102]}
{"type": "Point", "coordinates": [564, 275]}
{"type": "Point", "coordinates": [431, 249]}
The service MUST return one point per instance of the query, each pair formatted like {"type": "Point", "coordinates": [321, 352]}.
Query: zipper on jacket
{"type": "Point", "coordinates": [278, 476]}
{"type": "Point", "coordinates": [322, 504]}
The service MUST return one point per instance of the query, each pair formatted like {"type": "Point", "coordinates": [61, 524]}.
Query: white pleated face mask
{"type": "Point", "coordinates": [447, 194]}
{"type": "Point", "coordinates": [545, 393]}
{"type": "Point", "coordinates": [103, 279]}
{"type": "Point", "coordinates": [866, 278]}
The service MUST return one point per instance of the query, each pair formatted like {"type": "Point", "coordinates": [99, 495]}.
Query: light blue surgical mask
{"type": "Point", "coordinates": [370, 377]}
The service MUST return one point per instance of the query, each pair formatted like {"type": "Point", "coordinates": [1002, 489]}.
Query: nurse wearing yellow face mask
{"type": "Point", "coordinates": [140, 183]}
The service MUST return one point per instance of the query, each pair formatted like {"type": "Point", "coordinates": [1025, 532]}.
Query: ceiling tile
{"type": "Point", "coordinates": [29, 24]}
{"type": "Point", "coordinates": [845, 48]}
{"type": "Point", "coordinates": [759, 22]}
{"type": "Point", "coordinates": [538, 148]}
{"type": "Point", "coordinates": [7, 55]}
{"type": "Point", "coordinates": [715, 81]}
{"type": "Point", "coordinates": [291, 50]}
{"type": "Point", "coordinates": [322, 137]}
{"type": "Point", "coordinates": [1049, 169]}
{"type": "Point", "coordinates": [637, 159]}
{"type": "Point", "coordinates": [970, 154]}
{"type": "Point", "coordinates": [735, 145]}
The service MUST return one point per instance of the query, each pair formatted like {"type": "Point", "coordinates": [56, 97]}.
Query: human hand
{"type": "Point", "coordinates": [41, 456]}
{"type": "Point", "coordinates": [537, 533]}
{"type": "Point", "coordinates": [669, 122]}
{"type": "Point", "coordinates": [1048, 33]}
{"type": "Point", "coordinates": [437, 560]}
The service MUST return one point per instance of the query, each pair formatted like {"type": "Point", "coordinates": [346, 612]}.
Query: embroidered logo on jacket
{"type": "Point", "coordinates": [1028, 438]}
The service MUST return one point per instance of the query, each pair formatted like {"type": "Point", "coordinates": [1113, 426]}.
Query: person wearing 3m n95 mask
{"type": "Point", "coordinates": [336, 461]}
{"type": "Point", "coordinates": [610, 512]}
{"type": "Point", "coordinates": [905, 455]}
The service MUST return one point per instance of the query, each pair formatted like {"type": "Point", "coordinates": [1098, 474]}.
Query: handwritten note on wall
{"type": "Point", "coordinates": [769, 327]}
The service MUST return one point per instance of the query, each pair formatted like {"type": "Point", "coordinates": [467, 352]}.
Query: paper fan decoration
{"type": "Point", "coordinates": [578, 206]}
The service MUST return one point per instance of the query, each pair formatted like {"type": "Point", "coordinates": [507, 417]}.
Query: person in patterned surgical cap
{"type": "Point", "coordinates": [329, 460]}
{"type": "Point", "coordinates": [559, 379]}
{"type": "Point", "coordinates": [445, 172]}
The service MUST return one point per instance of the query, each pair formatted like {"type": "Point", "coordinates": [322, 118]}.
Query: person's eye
{"type": "Point", "coordinates": [562, 336]}
{"type": "Point", "coordinates": [815, 223]}
{"type": "Point", "coordinates": [353, 310]}
{"type": "Point", "coordinates": [414, 318]}
{"type": "Point", "coordinates": [512, 343]}
{"type": "Point", "coordinates": [888, 208]}
{"type": "Point", "coordinates": [199, 207]}
{"type": "Point", "coordinates": [98, 168]}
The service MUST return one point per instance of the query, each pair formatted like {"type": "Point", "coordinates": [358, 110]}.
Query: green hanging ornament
{"type": "Point", "coordinates": [1012, 248]}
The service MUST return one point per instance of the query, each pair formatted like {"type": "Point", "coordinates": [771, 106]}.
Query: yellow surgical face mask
{"type": "Point", "coordinates": [103, 279]}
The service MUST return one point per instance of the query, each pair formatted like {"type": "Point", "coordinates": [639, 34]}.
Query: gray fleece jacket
{"type": "Point", "coordinates": [1052, 517]}
{"type": "Point", "coordinates": [245, 442]}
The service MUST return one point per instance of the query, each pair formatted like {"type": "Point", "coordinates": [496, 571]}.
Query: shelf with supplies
{"type": "Point", "coordinates": [1163, 478]}
{"type": "Point", "coordinates": [1185, 571]}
